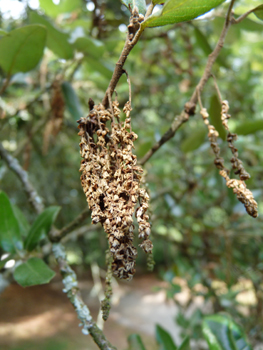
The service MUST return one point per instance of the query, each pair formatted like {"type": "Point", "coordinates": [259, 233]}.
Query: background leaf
{"type": "Point", "coordinates": [33, 272]}
{"type": "Point", "coordinates": [10, 237]}
{"type": "Point", "coordinates": [194, 141]}
{"type": "Point", "coordinates": [72, 100]}
{"type": "Point", "coordinates": [249, 127]}
{"type": "Point", "coordinates": [22, 221]}
{"type": "Point", "coordinates": [215, 116]}
{"type": "Point", "coordinates": [222, 333]}
{"type": "Point", "coordinates": [54, 10]}
{"type": "Point", "coordinates": [185, 344]}
{"type": "Point", "coordinates": [135, 342]}
{"type": "Point", "coordinates": [22, 48]}
{"type": "Point", "coordinates": [141, 4]}
{"type": "Point", "coordinates": [42, 225]}
{"type": "Point", "coordinates": [258, 11]}
{"type": "Point", "coordinates": [57, 41]}
{"type": "Point", "coordinates": [164, 338]}
{"type": "Point", "coordinates": [175, 11]}
{"type": "Point", "coordinates": [89, 47]}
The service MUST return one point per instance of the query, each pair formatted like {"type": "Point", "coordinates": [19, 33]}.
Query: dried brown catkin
{"type": "Point", "coordinates": [243, 194]}
{"type": "Point", "coordinates": [111, 181]}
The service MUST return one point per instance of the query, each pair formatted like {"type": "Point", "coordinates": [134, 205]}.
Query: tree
{"type": "Point", "coordinates": [198, 212]}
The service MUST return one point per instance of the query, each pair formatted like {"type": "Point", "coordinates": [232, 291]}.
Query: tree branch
{"type": "Point", "coordinates": [13, 164]}
{"type": "Point", "coordinates": [57, 235]}
{"type": "Point", "coordinates": [72, 290]}
{"type": "Point", "coordinates": [134, 32]}
{"type": "Point", "coordinates": [189, 108]}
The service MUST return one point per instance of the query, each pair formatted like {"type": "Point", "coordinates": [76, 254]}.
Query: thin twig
{"type": "Point", "coordinates": [149, 11]}
{"type": "Point", "coordinates": [57, 235]}
{"type": "Point", "coordinates": [189, 109]}
{"type": "Point", "coordinates": [134, 32]}
{"type": "Point", "coordinates": [178, 121]}
{"type": "Point", "coordinates": [73, 293]}
{"type": "Point", "coordinates": [14, 165]}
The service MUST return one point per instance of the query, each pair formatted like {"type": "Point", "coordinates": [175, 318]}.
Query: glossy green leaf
{"type": "Point", "coordinates": [185, 344]}
{"type": "Point", "coordinates": [22, 48]}
{"type": "Point", "coordinates": [33, 272]}
{"type": "Point", "coordinates": [258, 11]}
{"type": "Point", "coordinates": [22, 221]}
{"type": "Point", "coordinates": [175, 11]}
{"type": "Point", "coordinates": [215, 116]}
{"type": "Point", "coordinates": [72, 101]}
{"type": "Point", "coordinates": [222, 333]}
{"type": "Point", "coordinates": [141, 5]}
{"type": "Point", "coordinates": [194, 141]}
{"type": "Point", "coordinates": [164, 338]}
{"type": "Point", "coordinates": [249, 127]}
{"type": "Point", "coordinates": [54, 10]}
{"type": "Point", "coordinates": [57, 41]}
{"type": "Point", "coordinates": [10, 237]}
{"type": "Point", "coordinates": [135, 342]}
{"type": "Point", "coordinates": [89, 47]}
{"type": "Point", "coordinates": [41, 226]}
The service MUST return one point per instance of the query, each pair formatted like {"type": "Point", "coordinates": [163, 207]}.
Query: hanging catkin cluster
{"type": "Point", "coordinates": [111, 182]}
{"type": "Point", "coordinates": [243, 194]}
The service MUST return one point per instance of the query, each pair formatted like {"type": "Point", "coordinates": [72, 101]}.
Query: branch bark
{"type": "Point", "coordinates": [57, 235]}
{"type": "Point", "coordinates": [135, 31]}
{"type": "Point", "coordinates": [189, 108]}
{"type": "Point", "coordinates": [72, 290]}
{"type": "Point", "coordinates": [14, 165]}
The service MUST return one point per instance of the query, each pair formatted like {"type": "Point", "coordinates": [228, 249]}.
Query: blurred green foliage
{"type": "Point", "coordinates": [201, 233]}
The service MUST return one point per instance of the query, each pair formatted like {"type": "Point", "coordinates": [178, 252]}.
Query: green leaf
{"type": "Point", "coordinates": [98, 66]}
{"type": "Point", "coordinates": [42, 225]}
{"type": "Point", "coordinates": [204, 45]}
{"type": "Point", "coordinates": [194, 141]}
{"type": "Point", "coordinates": [89, 47]}
{"type": "Point", "coordinates": [156, 2]}
{"type": "Point", "coordinates": [10, 238]}
{"type": "Point", "coordinates": [202, 42]}
{"type": "Point", "coordinates": [185, 344]}
{"type": "Point", "coordinates": [164, 338]}
{"type": "Point", "coordinates": [258, 11]}
{"type": "Point", "coordinates": [33, 272]}
{"type": "Point", "coordinates": [135, 342]}
{"type": "Point", "coordinates": [215, 116]}
{"type": "Point", "coordinates": [57, 41]}
{"type": "Point", "coordinates": [141, 4]}
{"type": "Point", "coordinates": [22, 48]}
{"type": "Point", "coordinates": [22, 221]}
{"type": "Point", "coordinates": [251, 26]}
{"type": "Point", "coordinates": [175, 11]}
{"type": "Point", "coordinates": [54, 10]}
{"type": "Point", "coordinates": [72, 100]}
{"type": "Point", "coordinates": [249, 127]}
{"type": "Point", "coordinates": [222, 333]}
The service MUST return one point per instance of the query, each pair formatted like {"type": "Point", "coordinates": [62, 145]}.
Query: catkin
{"type": "Point", "coordinates": [244, 195]}
{"type": "Point", "coordinates": [111, 181]}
